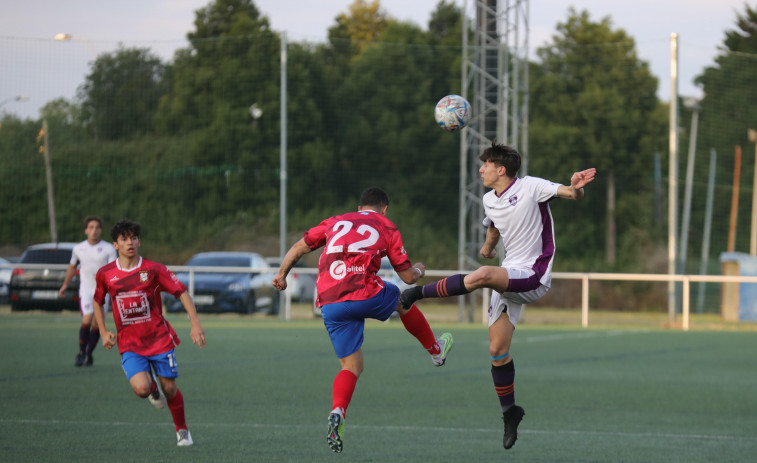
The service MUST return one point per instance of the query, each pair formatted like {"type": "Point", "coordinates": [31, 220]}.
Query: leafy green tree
{"type": "Point", "coordinates": [728, 111]}
{"type": "Point", "coordinates": [232, 63]}
{"type": "Point", "coordinates": [445, 36]}
{"type": "Point", "coordinates": [363, 25]}
{"type": "Point", "coordinates": [22, 183]}
{"type": "Point", "coordinates": [593, 103]}
{"type": "Point", "coordinates": [386, 126]}
{"type": "Point", "coordinates": [121, 93]}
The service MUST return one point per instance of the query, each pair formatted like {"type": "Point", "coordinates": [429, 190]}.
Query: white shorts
{"type": "Point", "coordinates": [512, 302]}
{"type": "Point", "coordinates": [86, 302]}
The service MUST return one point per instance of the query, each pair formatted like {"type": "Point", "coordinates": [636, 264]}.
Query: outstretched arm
{"type": "Point", "coordinates": [108, 338]}
{"type": "Point", "coordinates": [70, 271]}
{"type": "Point", "coordinates": [294, 254]}
{"type": "Point", "coordinates": [196, 332]}
{"type": "Point", "coordinates": [577, 183]}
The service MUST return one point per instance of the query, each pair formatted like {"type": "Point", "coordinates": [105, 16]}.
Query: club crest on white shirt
{"type": "Point", "coordinates": [513, 200]}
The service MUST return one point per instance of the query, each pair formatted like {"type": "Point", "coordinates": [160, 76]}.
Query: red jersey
{"type": "Point", "coordinates": [354, 245]}
{"type": "Point", "coordinates": [137, 309]}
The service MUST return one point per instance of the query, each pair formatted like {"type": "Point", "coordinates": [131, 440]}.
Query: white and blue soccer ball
{"type": "Point", "coordinates": [452, 113]}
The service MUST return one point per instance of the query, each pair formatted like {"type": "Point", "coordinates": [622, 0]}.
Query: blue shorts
{"type": "Point", "coordinates": [345, 320]}
{"type": "Point", "coordinates": [164, 364]}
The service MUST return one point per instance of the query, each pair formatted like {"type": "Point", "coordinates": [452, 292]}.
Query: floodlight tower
{"type": "Point", "coordinates": [495, 81]}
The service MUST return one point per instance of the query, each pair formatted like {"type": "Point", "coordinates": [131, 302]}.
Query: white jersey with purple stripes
{"type": "Point", "coordinates": [91, 257]}
{"type": "Point", "coordinates": [522, 216]}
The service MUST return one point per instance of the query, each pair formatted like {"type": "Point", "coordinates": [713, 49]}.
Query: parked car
{"type": "Point", "coordinates": [301, 285]}
{"type": "Point", "coordinates": [386, 272]}
{"type": "Point", "coordinates": [37, 288]}
{"type": "Point", "coordinates": [5, 281]}
{"type": "Point", "coordinates": [229, 292]}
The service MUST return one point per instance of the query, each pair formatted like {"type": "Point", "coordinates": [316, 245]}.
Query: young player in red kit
{"type": "Point", "coordinates": [145, 339]}
{"type": "Point", "coordinates": [349, 291]}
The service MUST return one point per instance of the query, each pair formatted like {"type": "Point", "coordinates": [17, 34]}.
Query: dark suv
{"type": "Point", "coordinates": [35, 282]}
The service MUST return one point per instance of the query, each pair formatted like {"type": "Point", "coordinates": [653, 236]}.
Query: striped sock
{"type": "Point", "coordinates": [504, 379]}
{"type": "Point", "coordinates": [450, 286]}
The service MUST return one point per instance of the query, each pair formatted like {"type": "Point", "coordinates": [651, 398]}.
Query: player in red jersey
{"type": "Point", "coordinates": [145, 339]}
{"type": "Point", "coordinates": [349, 291]}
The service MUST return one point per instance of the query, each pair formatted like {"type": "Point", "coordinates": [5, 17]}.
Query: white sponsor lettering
{"type": "Point", "coordinates": [133, 307]}
{"type": "Point", "coordinates": [339, 270]}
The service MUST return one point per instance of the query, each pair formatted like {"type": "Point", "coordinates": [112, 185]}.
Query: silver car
{"type": "Point", "coordinates": [301, 285]}
{"type": "Point", "coordinates": [37, 288]}
{"type": "Point", "coordinates": [5, 281]}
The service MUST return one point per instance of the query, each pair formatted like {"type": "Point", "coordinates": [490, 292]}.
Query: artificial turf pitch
{"type": "Point", "coordinates": [261, 391]}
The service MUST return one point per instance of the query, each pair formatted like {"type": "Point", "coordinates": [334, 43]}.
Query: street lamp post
{"type": "Point", "coordinates": [691, 104]}
{"type": "Point", "coordinates": [49, 179]}
{"type": "Point", "coordinates": [48, 169]}
{"type": "Point", "coordinates": [68, 37]}
{"type": "Point", "coordinates": [15, 98]}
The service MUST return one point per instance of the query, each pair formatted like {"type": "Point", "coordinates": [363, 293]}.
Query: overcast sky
{"type": "Point", "coordinates": [29, 25]}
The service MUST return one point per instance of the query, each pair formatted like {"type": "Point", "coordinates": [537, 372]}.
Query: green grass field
{"type": "Point", "coordinates": [261, 391]}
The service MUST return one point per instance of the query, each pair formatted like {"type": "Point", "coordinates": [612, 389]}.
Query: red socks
{"type": "Point", "coordinates": [344, 386]}
{"type": "Point", "coordinates": [417, 325]}
{"type": "Point", "coordinates": [176, 405]}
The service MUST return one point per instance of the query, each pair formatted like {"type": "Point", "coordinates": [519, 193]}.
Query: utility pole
{"type": "Point", "coordinates": [49, 175]}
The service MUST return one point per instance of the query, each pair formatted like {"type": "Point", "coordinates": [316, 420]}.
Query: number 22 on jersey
{"type": "Point", "coordinates": [342, 228]}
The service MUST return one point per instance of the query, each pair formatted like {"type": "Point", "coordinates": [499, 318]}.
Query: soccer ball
{"type": "Point", "coordinates": [452, 113]}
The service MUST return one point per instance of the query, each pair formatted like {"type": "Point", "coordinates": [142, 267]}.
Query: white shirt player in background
{"type": "Point", "coordinates": [89, 256]}
{"type": "Point", "coordinates": [517, 212]}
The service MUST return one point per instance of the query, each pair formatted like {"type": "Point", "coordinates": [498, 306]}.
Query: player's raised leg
{"type": "Point", "coordinates": [416, 324]}
{"type": "Point", "coordinates": [446, 287]}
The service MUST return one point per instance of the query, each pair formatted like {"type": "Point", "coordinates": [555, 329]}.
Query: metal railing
{"type": "Point", "coordinates": [585, 278]}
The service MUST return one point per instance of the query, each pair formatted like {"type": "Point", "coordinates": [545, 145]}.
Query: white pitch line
{"type": "Point", "coordinates": [434, 429]}
{"type": "Point", "coordinates": [581, 335]}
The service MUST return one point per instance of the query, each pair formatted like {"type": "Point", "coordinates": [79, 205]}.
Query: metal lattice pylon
{"type": "Point", "coordinates": [495, 82]}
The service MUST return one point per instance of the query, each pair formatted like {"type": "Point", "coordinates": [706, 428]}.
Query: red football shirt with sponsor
{"type": "Point", "coordinates": [354, 245]}
{"type": "Point", "coordinates": [137, 308]}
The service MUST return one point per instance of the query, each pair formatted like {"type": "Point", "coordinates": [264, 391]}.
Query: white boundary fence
{"type": "Point", "coordinates": [685, 279]}
{"type": "Point", "coordinates": [585, 278]}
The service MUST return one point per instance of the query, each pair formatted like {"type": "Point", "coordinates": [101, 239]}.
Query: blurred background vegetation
{"type": "Point", "coordinates": [173, 144]}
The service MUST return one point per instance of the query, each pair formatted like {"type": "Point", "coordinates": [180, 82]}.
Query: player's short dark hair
{"type": "Point", "coordinates": [91, 218]}
{"type": "Point", "coordinates": [374, 196]}
{"type": "Point", "coordinates": [502, 155]}
{"type": "Point", "coordinates": [125, 228]}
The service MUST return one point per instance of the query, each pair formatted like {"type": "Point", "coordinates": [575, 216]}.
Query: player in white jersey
{"type": "Point", "coordinates": [89, 256]}
{"type": "Point", "coordinates": [517, 211]}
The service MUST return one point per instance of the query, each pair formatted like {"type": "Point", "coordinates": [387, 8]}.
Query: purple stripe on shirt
{"type": "Point", "coordinates": [547, 241]}
{"type": "Point", "coordinates": [541, 265]}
